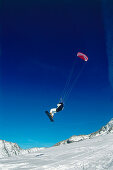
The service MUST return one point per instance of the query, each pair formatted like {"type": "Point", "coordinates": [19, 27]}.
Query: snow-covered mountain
{"type": "Point", "coordinates": [108, 128]}
{"type": "Point", "coordinates": [8, 149]}
{"type": "Point", "coordinates": [91, 154]}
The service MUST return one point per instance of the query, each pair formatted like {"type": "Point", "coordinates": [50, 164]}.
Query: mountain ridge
{"type": "Point", "coordinates": [8, 149]}
{"type": "Point", "coordinates": [108, 128]}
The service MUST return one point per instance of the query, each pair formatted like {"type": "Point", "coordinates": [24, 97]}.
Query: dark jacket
{"type": "Point", "coordinates": [59, 108]}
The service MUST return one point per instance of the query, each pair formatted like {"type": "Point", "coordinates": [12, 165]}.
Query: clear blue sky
{"type": "Point", "coordinates": [39, 43]}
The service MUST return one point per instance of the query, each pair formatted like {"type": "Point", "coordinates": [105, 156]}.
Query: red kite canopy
{"type": "Point", "coordinates": [82, 56]}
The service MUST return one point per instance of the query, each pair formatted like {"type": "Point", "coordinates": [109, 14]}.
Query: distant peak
{"type": "Point", "coordinates": [108, 128]}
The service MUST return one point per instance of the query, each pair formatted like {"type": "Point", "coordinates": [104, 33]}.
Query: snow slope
{"type": "Point", "coordinates": [93, 153]}
{"type": "Point", "coordinates": [90, 154]}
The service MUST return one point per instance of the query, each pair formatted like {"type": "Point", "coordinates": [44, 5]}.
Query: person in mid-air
{"type": "Point", "coordinates": [60, 107]}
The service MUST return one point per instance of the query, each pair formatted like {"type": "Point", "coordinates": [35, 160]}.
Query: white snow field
{"type": "Point", "coordinates": [89, 154]}
{"type": "Point", "coordinates": [84, 152]}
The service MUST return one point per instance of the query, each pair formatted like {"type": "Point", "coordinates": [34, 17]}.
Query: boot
{"type": "Point", "coordinates": [51, 115]}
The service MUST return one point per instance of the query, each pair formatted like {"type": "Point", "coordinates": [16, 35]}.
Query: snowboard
{"type": "Point", "coordinates": [48, 114]}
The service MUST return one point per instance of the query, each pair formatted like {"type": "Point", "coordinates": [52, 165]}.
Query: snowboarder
{"type": "Point", "coordinates": [50, 114]}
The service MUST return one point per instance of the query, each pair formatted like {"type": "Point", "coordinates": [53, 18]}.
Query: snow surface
{"type": "Point", "coordinates": [84, 152]}
{"type": "Point", "coordinates": [89, 154]}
